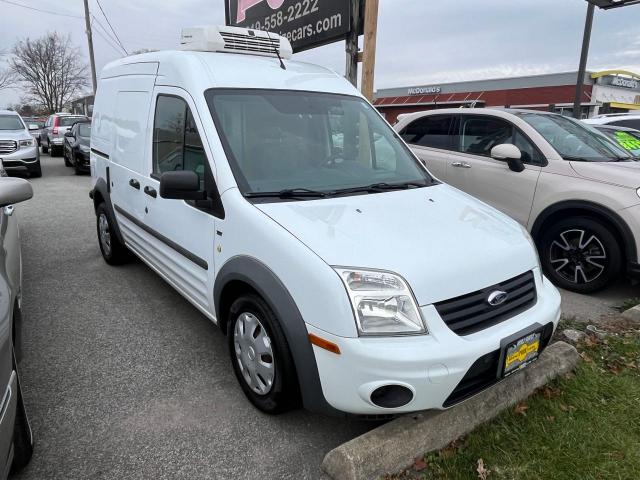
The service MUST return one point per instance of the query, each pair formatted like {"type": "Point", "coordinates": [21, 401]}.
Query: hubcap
{"type": "Point", "coordinates": [578, 257]}
{"type": "Point", "coordinates": [254, 353]}
{"type": "Point", "coordinates": [105, 236]}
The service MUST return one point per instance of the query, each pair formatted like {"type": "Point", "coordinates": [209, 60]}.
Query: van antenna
{"type": "Point", "coordinates": [282, 65]}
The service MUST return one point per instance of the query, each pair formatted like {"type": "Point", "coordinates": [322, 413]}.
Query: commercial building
{"type": "Point", "coordinates": [610, 91]}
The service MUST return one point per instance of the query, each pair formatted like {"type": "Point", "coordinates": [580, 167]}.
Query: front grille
{"type": "Point", "coordinates": [472, 312]}
{"type": "Point", "coordinates": [248, 43]}
{"type": "Point", "coordinates": [8, 146]}
{"type": "Point", "coordinates": [486, 372]}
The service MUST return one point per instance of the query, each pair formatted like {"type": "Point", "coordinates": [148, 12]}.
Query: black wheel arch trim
{"type": "Point", "coordinates": [102, 191]}
{"type": "Point", "coordinates": [628, 239]}
{"type": "Point", "coordinates": [266, 283]}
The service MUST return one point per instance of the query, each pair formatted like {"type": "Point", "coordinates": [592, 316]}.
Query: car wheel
{"type": "Point", "coordinates": [260, 356]}
{"type": "Point", "coordinates": [581, 255]}
{"type": "Point", "coordinates": [113, 252]}
{"type": "Point", "coordinates": [37, 170]}
{"type": "Point", "coordinates": [67, 163]}
{"type": "Point", "coordinates": [22, 433]}
{"type": "Point", "coordinates": [45, 148]}
{"type": "Point", "coordinates": [53, 151]}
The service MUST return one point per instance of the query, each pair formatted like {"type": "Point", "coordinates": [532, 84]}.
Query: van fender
{"type": "Point", "coordinates": [101, 193]}
{"type": "Point", "coordinates": [265, 282]}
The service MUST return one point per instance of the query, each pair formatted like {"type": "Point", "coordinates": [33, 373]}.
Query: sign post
{"type": "Point", "coordinates": [370, 40]}
{"type": "Point", "coordinates": [352, 48]}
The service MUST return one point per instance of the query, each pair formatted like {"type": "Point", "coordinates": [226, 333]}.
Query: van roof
{"type": "Point", "coordinates": [199, 71]}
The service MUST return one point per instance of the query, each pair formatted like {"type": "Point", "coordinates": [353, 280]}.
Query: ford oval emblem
{"type": "Point", "coordinates": [497, 298]}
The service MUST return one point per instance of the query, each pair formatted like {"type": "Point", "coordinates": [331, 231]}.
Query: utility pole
{"type": "Point", "coordinates": [90, 41]}
{"type": "Point", "coordinates": [351, 71]}
{"type": "Point", "coordinates": [370, 40]}
{"type": "Point", "coordinates": [586, 40]}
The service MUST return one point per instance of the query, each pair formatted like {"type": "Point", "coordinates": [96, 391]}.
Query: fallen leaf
{"type": "Point", "coordinates": [567, 408]}
{"type": "Point", "coordinates": [550, 392]}
{"type": "Point", "coordinates": [483, 472]}
{"type": "Point", "coordinates": [521, 408]}
{"type": "Point", "coordinates": [419, 464]}
{"type": "Point", "coordinates": [586, 357]}
{"type": "Point", "coordinates": [551, 419]}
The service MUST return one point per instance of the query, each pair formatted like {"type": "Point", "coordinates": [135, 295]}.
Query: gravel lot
{"type": "Point", "coordinates": [124, 379]}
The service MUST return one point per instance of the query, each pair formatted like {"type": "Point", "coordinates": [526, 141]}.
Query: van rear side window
{"type": "Point", "coordinates": [176, 142]}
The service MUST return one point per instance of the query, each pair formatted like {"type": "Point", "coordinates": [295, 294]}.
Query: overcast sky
{"type": "Point", "coordinates": [420, 41]}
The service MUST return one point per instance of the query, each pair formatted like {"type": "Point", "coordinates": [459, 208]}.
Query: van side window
{"type": "Point", "coordinates": [631, 123]}
{"type": "Point", "coordinates": [432, 131]}
{"type": "Point", "coordinates": [478, 135]}
{"type": "Point", "coordinates": [176, 142]}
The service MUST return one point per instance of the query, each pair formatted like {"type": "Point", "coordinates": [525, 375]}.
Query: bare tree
{"type": "Point", "coordinates": [51, 70]}
{"type": "Point", "coordinates": [7, 79]}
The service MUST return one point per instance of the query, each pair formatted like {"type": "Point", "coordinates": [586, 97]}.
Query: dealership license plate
{"type": "Point", "coordinates": [521, 353]}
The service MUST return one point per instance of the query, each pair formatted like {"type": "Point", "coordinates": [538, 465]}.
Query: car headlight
{"type": "Point", "coordinates": [638, 192]}
{"type": "Point", "coordinates": [382, 302]}
{"type": "Point", "coordinates": [528, 236]}
{"type": "Point", "coordinates": [27, 143]}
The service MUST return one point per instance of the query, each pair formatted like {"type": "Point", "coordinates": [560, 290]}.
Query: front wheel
{"type": "Point", "coordinates": [113, 252]}
{"type": "Point", "coordinates": [581, 255]}
{"type": "Point", "coordinates": [261, 357]}
{"type": "Point", "coordinates": [22, 435]}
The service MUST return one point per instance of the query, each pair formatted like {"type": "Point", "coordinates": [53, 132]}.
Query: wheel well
{"type": "Point", "coordinates": [97, 199]}
{"type": "Point", "coordinates": [540, 228]}
{"type": "Point", "coordinates": [230, 293]}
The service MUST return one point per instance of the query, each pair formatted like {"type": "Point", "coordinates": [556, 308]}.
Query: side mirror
{"type": "Point", "coordinates": [181, 185]}
{"type": "Point", "coordinates": [14, 190]}
{"type": "Point", "coordinates": [33, 126]}
{"type": "Point", "coordinates": [511, 154]}
{"type": "Point", "coordinates": [69, 134]}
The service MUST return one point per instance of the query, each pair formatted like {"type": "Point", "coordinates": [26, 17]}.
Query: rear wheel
{"type": "Point", "coordinates": [67, 162]}
{"type": "Point", "coordinates": [54, 152]}
{"type": "Point", "coordinates": [22, 435]}
{"type": "Point", "coordinates": [260, 356]}
{"type": "Point", "coordinates": [580, 254]}
{"type": "Point", "coordinates": [36, 172]}
{"type": "Point", "coordinates": [113, 252]}
{"type": "Point", "coordinates": [45, 148]}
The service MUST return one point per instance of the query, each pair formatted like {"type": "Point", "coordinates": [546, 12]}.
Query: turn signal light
{"type": "Point", "coordinates": [324, 344]}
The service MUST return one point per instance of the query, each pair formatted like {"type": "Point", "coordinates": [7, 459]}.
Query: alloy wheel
{"type": "Point", "coordinates": [254, 353]}
{"type": "Point", "coordinates": [578, 256]}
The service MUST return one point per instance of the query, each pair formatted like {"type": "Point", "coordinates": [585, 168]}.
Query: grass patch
{"type": "Point", "coordinates": [632, 302]}
{"type": "Point", "coordinates": [583, 427]}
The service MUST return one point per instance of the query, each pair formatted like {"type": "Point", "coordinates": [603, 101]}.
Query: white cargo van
{"type": "Point", "coordinates": [275, 198]}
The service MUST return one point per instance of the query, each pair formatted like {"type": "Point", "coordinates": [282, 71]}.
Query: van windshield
{"type": "Point", "coordinates": [574, 140]}
{"type": "Point", "coordinates": [310, 144]}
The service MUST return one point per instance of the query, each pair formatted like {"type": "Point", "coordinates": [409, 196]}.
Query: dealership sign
{"type": "Point", "coordinates": [305, 23]}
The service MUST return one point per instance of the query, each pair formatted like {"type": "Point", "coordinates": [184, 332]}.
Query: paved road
{"type": "Point", "coordinates": [124, 379]}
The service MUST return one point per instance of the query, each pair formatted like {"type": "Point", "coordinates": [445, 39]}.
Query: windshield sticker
{"type": "Point", "coordinates": [627, 141]}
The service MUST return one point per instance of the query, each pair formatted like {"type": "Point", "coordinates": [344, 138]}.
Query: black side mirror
{"type": "Point", "coordinates": [69, 134]}
{"type": "Point", "coordinates": [515, 165]}
{"type": "Point", "coordinates": [181, 185]}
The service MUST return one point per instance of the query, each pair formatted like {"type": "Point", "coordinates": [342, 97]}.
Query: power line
{"type": "Point", "coordinates": [111, 27]}
{"type": "Point", "coordinates": [41, 10]}
{"type": "Point", "coordinates": [106, 32]}
{"type": "Point", "coordinates": [107, 39]}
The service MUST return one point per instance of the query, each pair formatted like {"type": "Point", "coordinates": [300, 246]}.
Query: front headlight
{"type": "Point", "coordinates": [27, 143]}
{"type": "Point", "coordinates": [382, 302]}
{"type": "Point", "coordinates": [526, 233]}
{"type": "Point", "coordinates": [638, 192]}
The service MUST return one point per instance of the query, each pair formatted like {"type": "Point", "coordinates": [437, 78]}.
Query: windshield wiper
{"type": "Point", "coordinates": [604, 159]}
{"type": "Point", "coordinates": [381, 187]}
{"type": "Point", "coordinates": [288, 193]}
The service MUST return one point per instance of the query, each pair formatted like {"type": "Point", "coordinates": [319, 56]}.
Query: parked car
{"type": "Point", "coordinates": [16, 438]}
{"type": "Point", "coordinates": [346, 276]}
{"type": "Point", "coordinates": [18, 149]}
{"type": "Point", "coordinates": [35, 132]}
{"type": "Point", "coordinates": [53, 133]}
{"type": "Point", "coordinates": [628, 120]}
{"type": "Point", "coordinates": [572, 188]}
{"type": "Point", "coordinates": [76, 147]}
{"type": "Point", "coordinates": [627, 138]}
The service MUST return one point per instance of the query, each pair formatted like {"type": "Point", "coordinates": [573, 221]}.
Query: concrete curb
{"type": "Point", "coordinates": [393, 446]}
{"type": "Point", "coordinates": [633, 314]}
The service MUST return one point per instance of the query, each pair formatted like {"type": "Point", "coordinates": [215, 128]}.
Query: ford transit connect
{"type": "Point", "coordinates": [276, 200]}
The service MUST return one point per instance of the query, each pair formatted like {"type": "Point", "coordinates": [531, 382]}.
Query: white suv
{"type": "Point", "coordinates": [628, 120]}
{"type": "Point", "coordinates": [575, 190]}
{"type": "Point", "coordinates": [276, 200]}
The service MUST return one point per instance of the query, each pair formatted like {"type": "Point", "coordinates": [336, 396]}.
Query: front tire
{"type": "Point", "coordinates": [67, 162]}
{"type": "Point", "coordinates": [45, 148]}
{"type": "Point", "coordinates": [581, 255]}
{"type": "Point", "coordinates": [261, 357]}
{"type": "Point", "coordinates": [113, 252]}
{"type": "Point", "coordinates": [22, 435]}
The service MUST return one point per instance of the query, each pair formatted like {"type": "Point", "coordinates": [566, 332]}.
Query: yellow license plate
{"type": "Point", "coordinates": [521, 353]}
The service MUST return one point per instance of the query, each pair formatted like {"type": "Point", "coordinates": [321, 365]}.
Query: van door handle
{"type": "Point", "coordinates": [461, 165]}
{"type": "Point", "coordinates": [134, 183]}
{"type": "Point", "coordinates": [150, 191]}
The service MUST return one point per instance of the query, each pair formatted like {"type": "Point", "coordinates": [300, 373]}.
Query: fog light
{"type": "Point", "coordinates": [391, 396]}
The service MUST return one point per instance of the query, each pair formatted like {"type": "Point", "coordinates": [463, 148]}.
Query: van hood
{"type": "Point", "coordinates": [625, 174]}
{"type": "Point", "coordinates": [442, 241]}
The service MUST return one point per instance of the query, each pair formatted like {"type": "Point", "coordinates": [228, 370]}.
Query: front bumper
{"type": "Point", "coordinates": [21, 159]}
{"type": "Point", "coordinates": [431, 366]}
